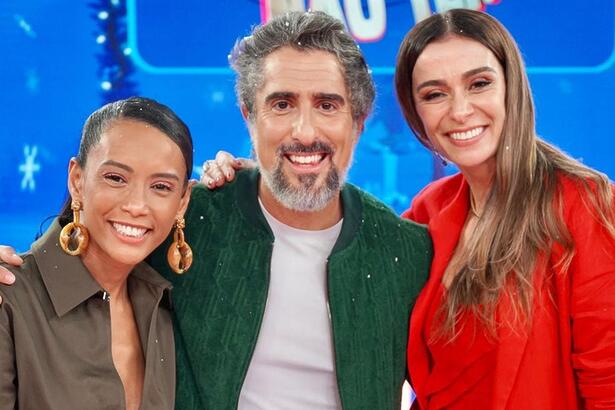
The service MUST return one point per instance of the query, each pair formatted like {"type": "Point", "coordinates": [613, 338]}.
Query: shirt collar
{"type": "Point", "coordinates": [68, 281]}
{"type": "Point", "coordinates": [145, 273]}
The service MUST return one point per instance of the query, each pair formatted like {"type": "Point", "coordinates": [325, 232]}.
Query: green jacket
{"type": "Point", "coordinates": [376, 269]}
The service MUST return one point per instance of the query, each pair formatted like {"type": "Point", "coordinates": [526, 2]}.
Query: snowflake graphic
{"type": "Point", "coordinates": [29, 167]}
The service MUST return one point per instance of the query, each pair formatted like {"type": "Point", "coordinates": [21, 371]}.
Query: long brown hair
{"type": "Point", "coordinates": [522, 218]}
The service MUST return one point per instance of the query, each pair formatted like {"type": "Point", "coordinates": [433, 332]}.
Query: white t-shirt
{"type": "Point", "coordinates": [293, 365]}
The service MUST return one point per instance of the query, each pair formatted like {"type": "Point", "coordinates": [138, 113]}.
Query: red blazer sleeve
{"type": "Point", "coordinates": [592, 303]}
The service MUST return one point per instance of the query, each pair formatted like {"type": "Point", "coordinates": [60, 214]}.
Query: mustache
{"type": "Point", "coordinates": [296, 147]}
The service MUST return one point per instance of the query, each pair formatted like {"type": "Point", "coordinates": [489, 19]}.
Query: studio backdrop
{"type": "Point", "coordinates": [61, 59]}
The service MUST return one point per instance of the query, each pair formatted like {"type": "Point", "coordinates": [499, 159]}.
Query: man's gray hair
{"type": "Point", "coordinates": [313, 30]}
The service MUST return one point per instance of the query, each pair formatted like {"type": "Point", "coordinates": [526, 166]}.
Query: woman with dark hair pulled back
{"type": "Point", "coordinates": [87, 324]}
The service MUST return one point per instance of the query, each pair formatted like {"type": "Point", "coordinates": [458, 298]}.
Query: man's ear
{"type": "Point", "coordinates": [246, 116]}
{"type": "Point", "coordinates": [359, 128]}
{"type": "Point", "coordinates": [244, 112]}
{"type": "Point", "coordinates": [75, 179]}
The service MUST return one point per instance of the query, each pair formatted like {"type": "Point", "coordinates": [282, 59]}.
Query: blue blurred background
{"type": "Point", "coordinates": [62, 59]}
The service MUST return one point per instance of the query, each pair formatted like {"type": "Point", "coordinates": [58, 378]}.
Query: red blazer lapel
{"type": "Point", "coordinates": [511, 346]}
{"type": "Point", "coordinates": [512, 343]}
{"type": "Point", "coordinates": [446, 219]}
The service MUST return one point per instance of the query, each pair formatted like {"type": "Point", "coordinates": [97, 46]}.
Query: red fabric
{"type": "Point", "coordinates": [452, 383]}
{"type": "Point", "coordinates": [566, 360]}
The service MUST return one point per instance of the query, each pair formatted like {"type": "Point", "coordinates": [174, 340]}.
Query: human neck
{"type": "Point", "coordinates": [307, 220]}
{"type": "Point", "coordinates": [480, 182]}
{"type": "Point", "coordinates": [110, 275]}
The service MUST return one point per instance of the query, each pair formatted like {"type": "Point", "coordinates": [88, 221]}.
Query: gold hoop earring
{"type": "Point", "coordinates": [74, 232]}
{"type": "Point", "coordinates": [179, 254]}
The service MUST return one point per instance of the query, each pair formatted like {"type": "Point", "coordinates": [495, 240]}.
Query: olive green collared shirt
{"type": "Point", "coordinates": [55, 335]}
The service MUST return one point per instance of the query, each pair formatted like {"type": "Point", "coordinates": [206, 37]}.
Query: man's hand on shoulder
{"type": "Point", "coordinates": [219, 171]}
{"type": "Point", "coordinates": [8, 255]}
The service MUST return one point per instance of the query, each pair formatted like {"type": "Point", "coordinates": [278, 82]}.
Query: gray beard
{"type": "Point", "coordinates": [305, 197]}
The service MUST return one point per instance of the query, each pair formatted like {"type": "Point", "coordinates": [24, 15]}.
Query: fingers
{"type": "Point", "coordinates": [245, 163]}
{"type": "Point", "coordinates": [227, 164]}
{"type": "Point", "coordinates": [6, 277]}
{"type": "Point", "coordinates": [221, 170]}
{"type": "Point", "coordinates": [212, 175]}
{"type": "Point", "coordinates": [8, 255]}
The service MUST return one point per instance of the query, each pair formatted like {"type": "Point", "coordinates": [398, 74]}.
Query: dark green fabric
{"type": "Point", "coordinates": [378, 266]}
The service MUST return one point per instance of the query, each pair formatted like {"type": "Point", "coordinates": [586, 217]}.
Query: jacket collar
{"type": "Point", "coordinates": [67, 280]}
{"type": "Point", "coordinates": [247, 200]}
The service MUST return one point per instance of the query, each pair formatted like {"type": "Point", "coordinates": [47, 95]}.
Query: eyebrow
{"type": "Point", "coordinates": [287, 95]}
{"type": "Point", "coordinates": [125, 167]}
{"type": "Point", "coordinates": [167, 175]}
{"type": "Point", "coordinates": [118, 164]}
{"type": "Point", "coordinates": [331, 96]}
{"type": "Point", "coordinates": [465, 75]}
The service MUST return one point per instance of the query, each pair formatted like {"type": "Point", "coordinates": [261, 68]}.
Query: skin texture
{"type": "Point", "coordinates": [303, 100]}
{"type": "Point", "coordinates": [464, 96]}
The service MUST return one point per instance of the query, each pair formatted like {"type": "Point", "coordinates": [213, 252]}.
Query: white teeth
{"type": "Point", "coordinates": [131, 231]}
{"type": "Point", "coordinates": [466, 135]}
{"type": "Point", "coordinates": [305, 159]}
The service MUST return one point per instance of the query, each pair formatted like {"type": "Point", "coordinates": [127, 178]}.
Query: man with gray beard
{"type": "Point", "coordinates": [301, 287]}
{"type": "Point", "coordinates": [304, 197]}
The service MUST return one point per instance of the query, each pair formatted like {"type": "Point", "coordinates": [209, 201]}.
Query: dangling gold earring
{"type": "Point", "coordinates": [75, 231]}
{"type": "Point", "coordinates": [179, 254]}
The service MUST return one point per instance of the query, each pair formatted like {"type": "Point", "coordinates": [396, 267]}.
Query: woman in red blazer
{"type": "Point", "coordinates": [519, 311]}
